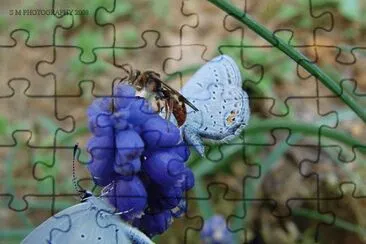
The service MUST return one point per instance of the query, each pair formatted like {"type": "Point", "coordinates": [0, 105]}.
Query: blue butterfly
{"type": "Point", "coordinates": [223, 106]}
{"type": "Point", "coordinates": [93, 220]}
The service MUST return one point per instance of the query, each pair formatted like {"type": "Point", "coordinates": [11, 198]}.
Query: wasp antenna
{"type": "Point", "coordinates": [129, 69]}
{"type": "Point", "coordinates": [123, 79]}
{"type": "Point", "coordinates": [74, 180]}
{"type": "Point", "coordinates": [123, 66]}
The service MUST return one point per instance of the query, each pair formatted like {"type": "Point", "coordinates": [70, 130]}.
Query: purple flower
{"type": "Point", "coordinates": [101, 147]}
{"type": "Point", "coordinates": [124, 96]}
{"type": "Point", "coordinates": [139, 158]}
{"type": "Point", "coordinates": [102, 171]}
{"type": "Point", "coordinates": [140, 111]}
{"type": "Point", "coordinates": [128, 196]}
{"type": "Point", "coordinates": [129, 168]}
{"type": "Point", "coordinates": [129, 149]}
{"type": "Point", "coordinates": [188, 180]}
{"type": "Point", "coordinates": [163, 197]}
{"type": "Point", "coordinates": [181, 149]}
{"type": "Point", "coordinates": [154, 223]}
{"type": "Point", "coordinates": [163, 168]}
{"type": "Point", "coordinates": [99, 121]}
{"type": "Point", "coordinates": [119, 121]}
{"type": "Point", "coordinates": [215, 231]}
{"type": "Point", "coordinates": [158, 132]}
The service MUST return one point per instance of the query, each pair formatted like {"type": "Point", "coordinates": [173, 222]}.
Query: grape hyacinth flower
{"type": "Point", "coordinates": [215, 231]}
{"type": "Point", "coordinates": [139, 159]}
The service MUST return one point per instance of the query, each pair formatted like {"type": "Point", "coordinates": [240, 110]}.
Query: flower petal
{"type": "Point", "coordinates": [123, 96]}
{"type": "Point", "coordinates": [158, 132]}
{"type": "Point", "coordinates": [154, 224]}
{"type": "Point", "coordinates": [128, 196]}
{"type": "Point", "coordinates": [215, 231]}
{"type": "Point", "coordinates": [163, 168]}
{"type": "Point", "coordinates": [129, 146]}
{"type": "Point", "coordinates": [101, 147]}
{"type": "Point", "coordinates": [102, 171]}
{"type": "Point", "coordinates": [128, 168]}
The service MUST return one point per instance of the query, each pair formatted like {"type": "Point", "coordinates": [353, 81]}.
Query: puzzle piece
{"type": "Point", "coordinates": [26, 17]}
{"type": "Point", "coordinates": [342, 15]}
{"type": "Point", "coordinates": [13, 57]}
{"type": "Point", "coordinates": [220, 194]}
{"type": "Point", "coordinates": [21, 108]}
{"type": "Point", "coordinates": [346, 76]}
{"type": "Point", "coordinates": [152, 51]}
{"type": "Point", "coordinates": [25, 195]}
{"type": "Point", "coordinates": [167, 19]}
{"type": "Point", "coordinates": [91, 36]}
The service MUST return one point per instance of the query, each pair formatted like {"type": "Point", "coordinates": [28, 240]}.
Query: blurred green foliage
{"type": "Point", "coordinates": [160, 8]}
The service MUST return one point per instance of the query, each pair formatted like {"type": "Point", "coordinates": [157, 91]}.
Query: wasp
{"type": "Point", "coordinates": [150, 81]}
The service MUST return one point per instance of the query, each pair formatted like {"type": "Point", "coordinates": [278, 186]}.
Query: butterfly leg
{"type": "Point", "coordinates": [193, 139]}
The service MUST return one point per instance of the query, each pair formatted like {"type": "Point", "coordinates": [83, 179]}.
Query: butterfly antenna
{"type": "Point", "coordinates": [124, 212]}
{"type": "Point", "coordinates": [74, 180]}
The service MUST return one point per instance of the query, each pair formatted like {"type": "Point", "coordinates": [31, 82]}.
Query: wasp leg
{"type": "Point", "coordinates": [167, 110]}
{"type": "Point", "coordinates": [170, 106]}
{"type": "Point", "coordinates": [137, 81]}
{"type": "Point", "coordinates": [158, 104]}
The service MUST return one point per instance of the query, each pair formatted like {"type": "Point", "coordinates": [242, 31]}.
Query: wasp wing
{"type": "Point", "coordinates": [180, 96]}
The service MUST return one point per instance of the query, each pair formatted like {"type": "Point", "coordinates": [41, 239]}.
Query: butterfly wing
{"type": "Point", "coordinates": [88, 222]}
{"type": "Point", "coordinates": [220, 70]}
{"type": "Point", "coordinates": [132, 233]}
{"type": "Point", "coordinates": [61, 222]}
{"type": "Point", "coordinates": [215, 89]}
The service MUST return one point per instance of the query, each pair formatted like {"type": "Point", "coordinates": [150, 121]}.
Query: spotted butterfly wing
{"type": "Point", "coordinates": [91, 221]}
{"type": "Point", "coordinates": [223, 106]}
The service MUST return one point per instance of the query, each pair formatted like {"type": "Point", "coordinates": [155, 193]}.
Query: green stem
{"type": "Point", "coordinates": [311, 214]}
{"type": "Point", "coordinates": [202, 166]}
{"type": "Point", "coordinates": [292, 53]}
{"type": "Point", "coordinates": [296, 126]}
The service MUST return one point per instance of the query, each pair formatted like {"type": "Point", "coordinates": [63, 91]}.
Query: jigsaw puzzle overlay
{"type": "Point", "coordinates": [294, 174]}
